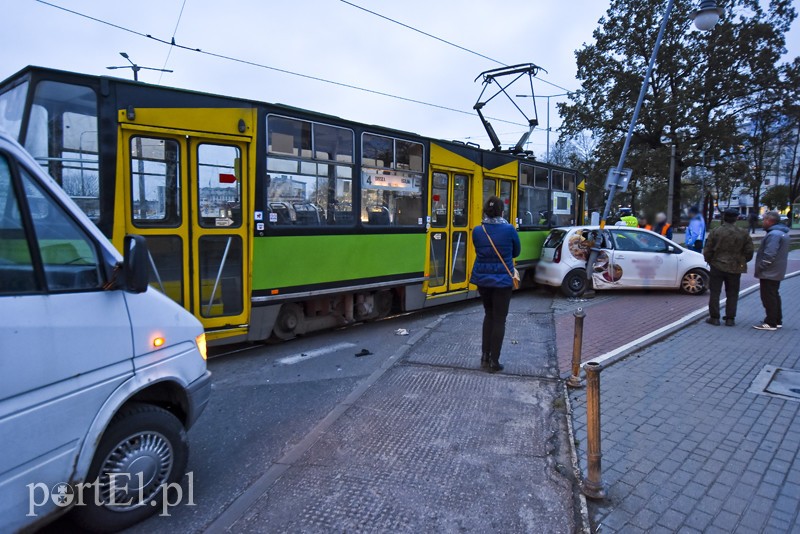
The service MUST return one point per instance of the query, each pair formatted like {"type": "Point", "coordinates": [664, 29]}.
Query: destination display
{"type": "Point", "coordinates": [391, 181]}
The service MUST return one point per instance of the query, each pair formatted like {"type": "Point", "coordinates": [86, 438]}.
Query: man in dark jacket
{"type": "Point", "coordinates": [771, 262]}
{"type": "Point", "coordinates": [728, 249]}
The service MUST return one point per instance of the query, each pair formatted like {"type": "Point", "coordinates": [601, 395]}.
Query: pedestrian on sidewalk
{"type": "Point", "coordinates": [727, 250]}
{"type": "Point", "coordinates": [496, 245]}
{"type": "Point", "coordinates": [696, 230]}
{"type": "Point", "coordinates": [752, 220]}
{"type": "Point", "coordinates": [771, 263]}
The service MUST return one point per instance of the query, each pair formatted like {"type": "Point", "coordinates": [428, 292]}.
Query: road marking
{"type": "Point", "coordinates": [291, 360]}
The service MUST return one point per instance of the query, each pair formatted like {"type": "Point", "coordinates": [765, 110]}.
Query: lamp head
{"type": "Point", "coordinates": [707, 15]}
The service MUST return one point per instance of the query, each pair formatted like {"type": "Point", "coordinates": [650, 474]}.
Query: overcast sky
{"type": "Point", "coordinates": [325, 39]}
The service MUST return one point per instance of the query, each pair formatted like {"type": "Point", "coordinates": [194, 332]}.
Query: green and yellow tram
{"type": "Point", "coordinates": [270, 221]}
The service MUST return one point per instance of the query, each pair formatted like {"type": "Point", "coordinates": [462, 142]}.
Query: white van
{"type": "Point", "coordinates": [100, 377]}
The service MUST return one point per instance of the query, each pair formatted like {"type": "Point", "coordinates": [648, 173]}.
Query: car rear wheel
{"type": "Point", "coordinates": [574, 284]}
{"type": "Point", "coordinates": [694, 282]}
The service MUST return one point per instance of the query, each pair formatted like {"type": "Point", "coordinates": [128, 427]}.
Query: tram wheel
{"type": "Point", "coordinates": [383, 303]}
{"type": "Point", "coordinates": [289, 319]}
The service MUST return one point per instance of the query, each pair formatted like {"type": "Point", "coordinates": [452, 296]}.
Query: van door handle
{"type": "Point", "coordinates": [620, 256]}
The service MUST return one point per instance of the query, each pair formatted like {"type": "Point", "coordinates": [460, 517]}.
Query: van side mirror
{"type": "Point", "coordinates": [134, 264]}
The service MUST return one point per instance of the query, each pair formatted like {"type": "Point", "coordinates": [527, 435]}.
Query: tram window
{"type": "Point", "coordinates": [219, 189]}
{"type": "Point", "coordinates": [533, 206]}
{"type": "Point", "coordinates": [439, 196]}
{"type": "Point", "coordinates": [533, 201]}
{"type": "Point", "coordinates": [505, 196]}
{"type": "Point", "coordinates": [155, 182]}
{"type": "Point", "coordinates": [409, 156]}
{"type": "Point", "coordinates": [166, 269]}
{"type": "Point", "coordinates": [391, 198]}
{"type": "Point", "coordinates": [558, 181]}
{"type": "Point", "coordinates": [12, 104]}
{"type": "Point", "coordinates": [541, 178]}
{"type": "Point", "coordinates": [220, 258]}
{"type": "Point", "coordinates": [377, 151]}
{"type": "Point", "coordinates": [289, 136]}
{"type": "Point", "coordinates": [394, 200]}
{"type": "Point", "coordinates": [310, 173]}
{"type": "Point", "coordinates": [569, 182]}
{"type": "Point", "coordinates": [388, 153]}
{"type": "Point", "coordinates": [62, 136]}
{"type": "Point", "coordinates": [489, 189]}
{"type": "Point", "coordinates": [391, 181]}
{"type": "Point", "coordinates": [333, 144]}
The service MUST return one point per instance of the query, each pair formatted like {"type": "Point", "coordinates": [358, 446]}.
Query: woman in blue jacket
{"type": "Point", "coordinates": [491, 274]}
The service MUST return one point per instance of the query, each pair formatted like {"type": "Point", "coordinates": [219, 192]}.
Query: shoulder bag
{"type": "Point", "coordinates": [515, 275]}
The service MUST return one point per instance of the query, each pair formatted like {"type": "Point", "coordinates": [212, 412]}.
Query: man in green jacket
{"type": "Point", "coordinates": [727, 250]}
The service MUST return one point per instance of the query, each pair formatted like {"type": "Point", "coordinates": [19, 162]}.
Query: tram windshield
{"type": "Point", "coordinates": [62, 136]}
{"type": "Point", "coordinates": [12, 104]}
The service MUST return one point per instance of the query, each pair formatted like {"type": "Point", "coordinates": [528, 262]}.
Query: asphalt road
{"type": "Point", "coordinates": [265, 399]}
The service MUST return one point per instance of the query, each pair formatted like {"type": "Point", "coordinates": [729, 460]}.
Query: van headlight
{"type": "Point", "coordinates": [201, 345]}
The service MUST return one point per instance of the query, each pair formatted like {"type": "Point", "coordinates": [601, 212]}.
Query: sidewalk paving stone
{"type": "Point", "coordinates": [678, 416]}
{"type": "Point", "coordinates": [437, 445]}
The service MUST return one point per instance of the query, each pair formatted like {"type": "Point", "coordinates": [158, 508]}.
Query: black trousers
{"type": "Point", "coordinates": [771, 299]}
{"type": "Point", "coordinates": [731, 281]}
{"type": "Point", "coordinates": [495, 305]}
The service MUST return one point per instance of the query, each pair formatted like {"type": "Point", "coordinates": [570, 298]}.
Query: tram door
{"type": "Point", "coordinates": [449, 234]}
{"type": "Point", "coordinates": [185, 194]}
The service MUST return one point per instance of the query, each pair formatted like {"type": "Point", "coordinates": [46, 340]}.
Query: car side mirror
{"type": "Point", "coordinates": [134, 264]}
{"type": "Point", "coordinates": [670, 249]}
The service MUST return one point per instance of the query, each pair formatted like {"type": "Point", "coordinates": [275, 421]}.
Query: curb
{"type": "Point", "coordinates": [576, 468]}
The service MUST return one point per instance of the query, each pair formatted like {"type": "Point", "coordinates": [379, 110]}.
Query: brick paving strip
{"type": "Point", "coordinates": [686, 445]}
{"type": "Point", "coordinates": [616, 319]}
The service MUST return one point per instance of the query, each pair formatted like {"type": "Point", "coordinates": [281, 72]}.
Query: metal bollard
{"type": "Point", "coordinates": [575, 381]}
{"type": "Point", "coordinates": [592, 485]}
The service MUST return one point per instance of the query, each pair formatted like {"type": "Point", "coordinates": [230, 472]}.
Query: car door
{"type": "Point", "coordinates": [642, 259]}
{"type": "Point", "coordinates": [65, 342]}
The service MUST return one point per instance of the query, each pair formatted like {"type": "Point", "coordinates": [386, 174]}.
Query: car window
{"type": "Point", "coordinates": [632, 240]}
{"type": "Point", "coordinates": [16, 263]}
{"type": "Point", "coordinates": [69, 257]}
{"type": "Point", "coordinates": [554, 239]}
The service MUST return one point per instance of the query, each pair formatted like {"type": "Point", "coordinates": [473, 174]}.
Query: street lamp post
{"type": "Point", "coordinates": [134, 67]}
{"type": "Point", "coordinates": [705, 18]}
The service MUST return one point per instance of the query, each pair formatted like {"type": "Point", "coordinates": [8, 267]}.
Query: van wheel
{"type": "Point", "coordinates": [143, 449]}
{"type": "Point", "coordinates": [694, 282]}
{"type": "Point", "coordinates": [574, 284]}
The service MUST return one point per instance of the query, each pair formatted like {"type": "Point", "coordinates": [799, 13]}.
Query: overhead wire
{"type": "Point", "coordinates": [174, 33]}
{"type": "Point", "coordinates": [412, 28]}
{"type": "Point", "coordinates": [172, 42]}
{"type": "Point", "coordinates": [465, 49]}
